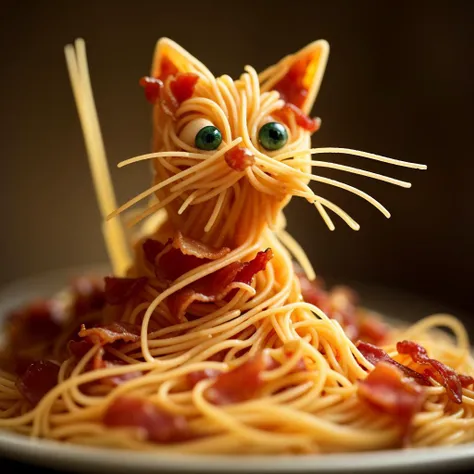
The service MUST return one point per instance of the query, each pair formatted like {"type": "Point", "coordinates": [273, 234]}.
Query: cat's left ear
{"type": "Point", "coordinates": [297, 77]}
{"type": "Point", "coordinates": [170, 59]}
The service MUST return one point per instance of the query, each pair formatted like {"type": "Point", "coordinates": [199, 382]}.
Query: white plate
{"type": "Point", "coordinates": [78, 458]}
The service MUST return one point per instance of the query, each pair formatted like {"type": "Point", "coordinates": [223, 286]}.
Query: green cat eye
{"type": "Point", "coordinates": [273, 136]}
{"type": "Point", "coordinates": [208, 138]}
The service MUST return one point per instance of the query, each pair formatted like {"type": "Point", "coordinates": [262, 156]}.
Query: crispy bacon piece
{"type": "Point", "coordinates": [386, 389]}
{"type": "Point", "coordinates": [375, 355]}
{"type": "Point", "coordinates": [38, 321]}
{"type": "Point", "coordinates": [182, 86]}
{"type": "Point", "coordinates": [173, 263]}
{"type": "Point", "coordinates": [183, 254]}
{"type": "Point", "coordinates": [151, 249]}
{"type": "Point", "coordinates": [302, 120]}
{"type": "Point", "coordinates": [216, 286]}
{"type": "Point", "coordinates": [102, 359]}
{"type": "Point", "coordinates": [111, 333]}
{"type": "Point", "coordinates": [79, 348]}
{"type": "Point", "coordinates": [120, 290]}
{"type": "Point", "coordinates": [38, 379]}
{"type": "Point", "coordinates": [312, 291]}
{"type": "Point", "coordinates": [373, 330]}
{"type": "Point", "coordinates": [239, 158]}
{"type": "Point", "coordinates": [251, 268]}
{"type": "Point", "coordinates": [88, 295]}
{"type": "Point", "coordinates": [189, 246]}
{"type": "Point", "coordinates": [443, 374]}
{"type": "Point", "coordinates": [195, 377]}
{"type": "Point", "coordinates": [152, 87]}
{"type": "Point", "coordinates": [466, 380]}
{"type": "Point", "coordinates": [155, 425]}
{"type": "Point", "coordinates": [21, 364]}
{"type": "Point", "coordinates": [341, 304]}
{"type": "Point", "coordinates": [239, 384]}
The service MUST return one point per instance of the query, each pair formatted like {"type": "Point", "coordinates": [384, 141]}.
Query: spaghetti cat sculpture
{"type": "Point", "coordinates": [209, 338]}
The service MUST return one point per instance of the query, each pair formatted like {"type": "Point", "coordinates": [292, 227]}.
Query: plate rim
{"type": "Point", "coordinates": [52, 453]}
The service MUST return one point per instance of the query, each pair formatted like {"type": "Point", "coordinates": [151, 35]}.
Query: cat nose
{"type": "Point", "coordinates": [239, 158]}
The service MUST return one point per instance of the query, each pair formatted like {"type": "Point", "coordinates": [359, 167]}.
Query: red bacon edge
{"type": "Point", "coordinates": [37, 380]}
{"type": "Point", "coordinates": [446, 376]}
{"type": "Point", "coordinates": [216, 286]}
{"type": "Point", "coordinates": [387, 390]}
{"type": "Point", "coordinates": [111, 333]}
{"type": "Point", "coordinates": [120, 290]}
{"type": "Point", "coordinates": [153, 423]}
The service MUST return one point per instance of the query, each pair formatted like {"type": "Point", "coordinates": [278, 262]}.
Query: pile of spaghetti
{"type": "Point", "coordinates": [214, 340]}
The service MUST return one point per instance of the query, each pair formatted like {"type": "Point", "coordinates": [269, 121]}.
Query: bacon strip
{"type": "Point", "coordinates": [372, 329]}
{"type": "Point", "coordinates": [154, 424]}
{"type": "Point", "coordinates": [151, 249]}
{"type": "Point", "coordinates": [181, 88]}
{"type": "Point", "coordinates": [197, 249]}
{"type": "Point", "coordinates": [111, 333]}
{"type": "Point", "coordinates": [386, 389]}
{"type": "Point", "coordinates": [466, 380]}
{"type": "Point", "coordinates": [182, 254]}
{"type": "Point", "coordinates": [105, 335]}
{"type": "Point", "coordinates": [443, 374]}
{"type": "Point", "coordinates": [341, 304]}
{"type": "Point", "coordinates": [216, 286]}
{"type": "Point", "coordinates": [120, 290]}
{"type": "Point", "coordinates": [239, 384]}
{"type": "Point", "coordinates": [38, 321]}
{"type": "Point", "coordinates": [193, 378]}
{"type": "Point", "coordinates": [375, 355]}
{"type": "Point", "coordinates": [302, 120]}
{"type": "Point", "coordinates": [152, 87]}
{"type": "Point", "coordinates": [38, 379]}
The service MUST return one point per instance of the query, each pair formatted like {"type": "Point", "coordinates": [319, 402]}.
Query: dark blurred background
{"type": "Point", "coordinates": [399, 82]}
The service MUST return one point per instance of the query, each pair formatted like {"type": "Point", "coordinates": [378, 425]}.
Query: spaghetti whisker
{"type": "Point", "coordinates": [313, 198]}
{"type": "Point", "coordinates": [350, 169]}
{"type": "Point", "coordinates": [152, 209]}
{"type": "Point", "coordinates": [187, 202]}
{"type": "Point", "coordinates": [163, 154]}
{"type": "Point", "coordinates": [190, 171]}
{"type": "Point", "coordinates": [353, 190]}
{"type": "Point", "coordinates": [350, 151]}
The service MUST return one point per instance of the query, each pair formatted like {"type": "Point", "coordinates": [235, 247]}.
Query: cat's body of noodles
{"type": "Point", "coordinates": [209, 338]}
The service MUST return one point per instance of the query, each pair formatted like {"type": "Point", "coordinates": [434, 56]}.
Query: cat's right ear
{"type": "Point", "coordinates": [170, 59]}
{"type": "Point", "coordinates": [297, 77]}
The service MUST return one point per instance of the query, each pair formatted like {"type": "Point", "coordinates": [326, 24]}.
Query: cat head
{"type": "Point", "coordinates": [229, 154]}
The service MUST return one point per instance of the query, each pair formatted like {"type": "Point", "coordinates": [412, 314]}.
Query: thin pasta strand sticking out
{"type": "Point", "coordinates": [114, 234]}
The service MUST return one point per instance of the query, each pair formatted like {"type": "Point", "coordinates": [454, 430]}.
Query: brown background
{"type": "Point", "coordinates": [399, 82]}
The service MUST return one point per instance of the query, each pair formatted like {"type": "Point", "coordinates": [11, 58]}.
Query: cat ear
{"type": "Point", "coordinates": [297, 77]}
{"type": "Point", "coordinates": [170, 59]}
